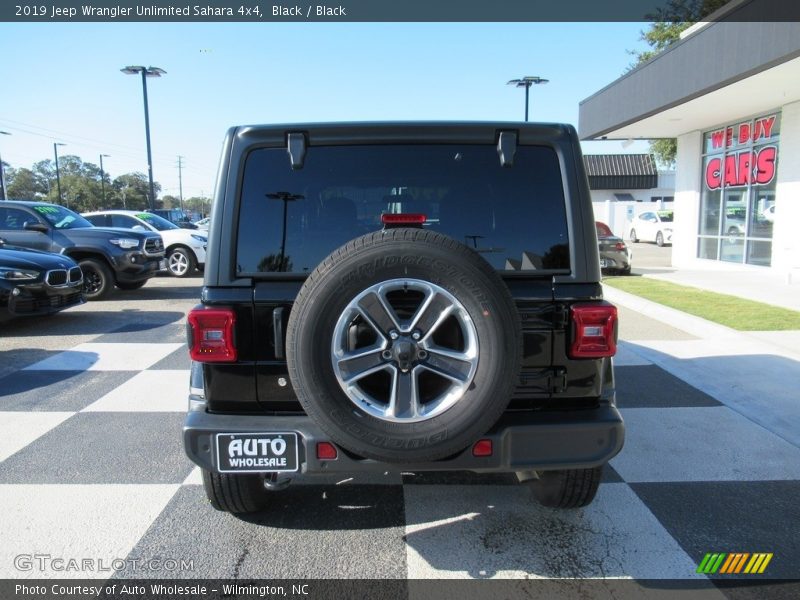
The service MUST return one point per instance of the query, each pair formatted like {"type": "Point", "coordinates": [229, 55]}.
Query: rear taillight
{"type": "Point", "coordinates": [594, 330]}
{"type": "Point", "coordinates": [620, 246]}
{"type": "Point", "coordinates": [212, 335]}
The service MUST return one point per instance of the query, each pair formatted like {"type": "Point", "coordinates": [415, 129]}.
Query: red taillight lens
{"type": "Point", "coordinates": [482, 448]}
{"type": "Point", "coordinates": [620, 246]}
{"type": "Point", "coordinates": [403, 219]}
{"type": "Point", "coordinates": [212, 335]}
{"type": "Point", "coordinates": [326, 451]}
{"type": "Point", "coordinates": [595, 330]}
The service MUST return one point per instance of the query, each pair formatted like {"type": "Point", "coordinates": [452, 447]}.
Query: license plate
{"type": "Point", "coordinates": [162, 264]}
{"type": "Point", "coordinates": [257, 452]}
{"type": "Point", "coordinates": [603, 263]}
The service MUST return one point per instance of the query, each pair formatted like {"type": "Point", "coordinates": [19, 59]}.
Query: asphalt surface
{"type": "Point", "coordinates": [91, 465]}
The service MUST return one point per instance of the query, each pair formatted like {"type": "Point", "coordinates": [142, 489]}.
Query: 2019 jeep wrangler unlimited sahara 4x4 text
{"type": "Point", "coordinates": [409, 296]}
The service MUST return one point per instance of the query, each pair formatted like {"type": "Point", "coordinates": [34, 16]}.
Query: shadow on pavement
{"type": "Point", "coordinates": [86, 322]}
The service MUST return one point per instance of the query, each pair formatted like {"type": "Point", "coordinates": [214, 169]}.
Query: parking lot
{"type": "Point", "coordinates": [92, 467]}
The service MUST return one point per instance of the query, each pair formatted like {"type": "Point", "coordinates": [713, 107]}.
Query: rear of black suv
{"type": "Point", "coordinates": [415, 297]}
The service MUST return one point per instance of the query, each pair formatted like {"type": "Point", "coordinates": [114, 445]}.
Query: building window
{"type": "Point", "coordinates": [737, 201]}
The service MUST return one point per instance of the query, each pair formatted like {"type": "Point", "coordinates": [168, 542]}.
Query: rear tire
{"type": "Point", "coordinates": [633, 237]}
{"type": "Point", "coordinates": [238, 494]}
{"type": "Point", "coordinates": [659, 239]}
{"type": "Point", "coordinates": [98, 280]}
{"type": "Point", "coordinates": [570, 488]}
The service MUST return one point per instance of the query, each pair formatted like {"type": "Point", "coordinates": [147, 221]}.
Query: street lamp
{"type": "Point", "coordinates": [147, 72]}
{"type": "Point", "coordinates": [103, 178]}
{"type": "Point", "coordinates": [527, 82]}
{"type": "Point", "coordinates": [2, 174]}
{"type": "Point", "coordinates": [58, 174]}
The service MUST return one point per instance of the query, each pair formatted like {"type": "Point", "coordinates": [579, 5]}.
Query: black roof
{"type": "Point", "coordinates": [621, 171]}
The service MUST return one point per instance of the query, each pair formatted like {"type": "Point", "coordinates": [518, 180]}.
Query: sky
{"type": "Point", "coordinates": [61, 82]}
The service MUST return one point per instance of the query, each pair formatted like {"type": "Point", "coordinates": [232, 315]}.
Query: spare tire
{"type": "Point", "coordinates": [404, 345]}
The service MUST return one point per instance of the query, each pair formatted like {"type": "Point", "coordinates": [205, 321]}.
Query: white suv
{"type": "Point", "coordinates": [185, 248]}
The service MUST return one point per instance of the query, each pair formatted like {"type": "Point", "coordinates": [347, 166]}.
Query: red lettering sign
{"type": "Point", "coordinates": [717, 138]}
{"type": "Point", "coordinates": [756, 167]}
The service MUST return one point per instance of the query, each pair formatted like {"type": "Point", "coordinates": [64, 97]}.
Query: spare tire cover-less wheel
{"type": "Point", "coordinates": [404, 345]}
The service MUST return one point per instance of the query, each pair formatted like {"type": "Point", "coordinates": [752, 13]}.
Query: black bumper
{"type": "Point", "coordinates": [522, 441]}
{"type": "Point", "coordinates": [136, 266]}
{"type": "Point", "coordinates": [37, 299]}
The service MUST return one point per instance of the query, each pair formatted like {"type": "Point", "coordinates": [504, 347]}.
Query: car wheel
{"type": "Point", "coordinates": [633, 237]}
{"type": "Point", "coordinates": [237, 494]}
{"type": "Point", "coordinates": [97, 278]}
{"type": "Point", "coordinates": [181, 262]}
{"type": "Point", "coordinates": [404, 345]}
{"type": "Point", "coordinates": [570, 488]}
{"type": "Point", "coordinates": [659, 239]}
{"type": "Point", "coordinates": [130, 285]}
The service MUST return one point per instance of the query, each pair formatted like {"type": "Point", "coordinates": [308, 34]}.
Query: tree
{"type": "Point", "coordinates": [669, 22]}
{"type": "Point", "coordinates": [132, 191]}
{"type": "Point", "coordinates": [25, 184]}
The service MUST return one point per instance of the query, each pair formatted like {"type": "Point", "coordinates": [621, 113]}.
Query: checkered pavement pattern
{"type": "Point", "coordinates": [91, 465]}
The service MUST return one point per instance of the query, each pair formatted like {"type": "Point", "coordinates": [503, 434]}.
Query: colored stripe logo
{"type": "Point", "coordinates": [731, 563]}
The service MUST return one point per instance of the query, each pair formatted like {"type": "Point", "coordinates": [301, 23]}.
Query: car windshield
{"type": "Point", "coordinates": [665, 216]}
{"type": "Point", "coordinates": [159, 223]}
{"type": "Point", "coordinates": [60, 217]}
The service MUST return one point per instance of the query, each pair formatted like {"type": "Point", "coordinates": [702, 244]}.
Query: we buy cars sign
{"type": "Point", "coordinates": [754, 166]}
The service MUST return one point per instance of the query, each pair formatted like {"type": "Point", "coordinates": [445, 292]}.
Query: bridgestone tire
{"type": "Point", "coordinates": [573, 488]}
{"type": "Point", "coordinates": [236, 494]}
{"type": "Point", "coordinates": [396, 254]}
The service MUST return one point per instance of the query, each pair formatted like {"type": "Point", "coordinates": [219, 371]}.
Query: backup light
{"type": "Point", "coordinates": [594, 330]}
{"type": "Point", "coordinates": [212, 335]}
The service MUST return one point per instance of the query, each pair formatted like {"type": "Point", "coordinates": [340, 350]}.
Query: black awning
{"type": "Point", "coordinates": [621, 171]}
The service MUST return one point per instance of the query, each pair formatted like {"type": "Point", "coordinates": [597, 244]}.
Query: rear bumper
{"type": "Point", "coordinates": [538, 441]}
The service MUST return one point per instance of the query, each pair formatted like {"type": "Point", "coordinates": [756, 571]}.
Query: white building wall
{"type": "Point", "coordinates": [687, 200]}
{"type": "Point", "coordinates": [785, 237]}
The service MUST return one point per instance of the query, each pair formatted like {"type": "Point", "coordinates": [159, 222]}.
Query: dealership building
{"type": "Point", "coordinates": [730, 93]}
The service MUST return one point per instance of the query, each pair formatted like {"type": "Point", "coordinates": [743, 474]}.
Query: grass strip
{"type": "Point", "coordinates": [736, 313]}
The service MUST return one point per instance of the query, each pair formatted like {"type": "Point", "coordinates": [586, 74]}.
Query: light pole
{"type": "Point", "coordinates": [147, 72]}
{"type": "Point", "coordinates": [527, 82]}
{"type": "Point", "coordinates": [103, 178]}
{"type": "Point", "coordinates": [3, 195]}
{"type": "Point", "coordinates": [58, 174]}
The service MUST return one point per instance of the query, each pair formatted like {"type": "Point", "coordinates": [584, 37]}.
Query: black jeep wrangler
{"type": "Point", "coordinates": [402, 297]}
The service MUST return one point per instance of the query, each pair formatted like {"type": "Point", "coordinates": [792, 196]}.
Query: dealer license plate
{"type": "Point", "coordinates": [257, 452]}
{"type": "Point", "coordinates": [162, 265]}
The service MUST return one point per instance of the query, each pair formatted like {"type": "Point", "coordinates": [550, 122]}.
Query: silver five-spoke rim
{"type": "Point", "coordinates": [404, 350]}
{"type": "Point", "coordinates": [178, 263]}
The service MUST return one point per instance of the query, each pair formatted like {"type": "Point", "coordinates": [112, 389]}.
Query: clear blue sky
{"type": "Point", "coordinates": [61, 82]}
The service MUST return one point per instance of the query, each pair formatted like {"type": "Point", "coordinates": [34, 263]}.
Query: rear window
{"type": "Point", "coordinates": [291, 220]}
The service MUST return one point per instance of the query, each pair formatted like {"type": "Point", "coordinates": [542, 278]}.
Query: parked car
{"type": "Point", "coordinates": [174, 215]}
{"type": "Point", "coordinates": [37, 283]}
{"type": "Point", "coordinates": [107, 257]}
{"type": "Point", "coordinates": [652, 226]}
{"type": "Point", "coordinates": [615, 256]}
{"type": "Point", "coordinates": [202, 224]}
{"type": "Point", "coordinates": [185, 250]}
{"type": "Point", "coordinates": [402, 297]}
